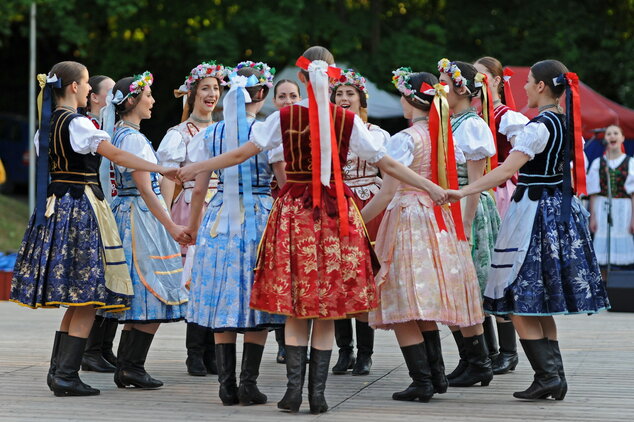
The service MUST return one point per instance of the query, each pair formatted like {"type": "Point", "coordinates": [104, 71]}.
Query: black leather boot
{"type": "Point", "coordinates": [209, 357]}
{"type": "Point", "coordinates": [560, 369]}
{"type": "Point", "coordinates": [490, 337]}
{"type": "Point", "coordinates": [417, 362]}
{"type": "Point", "coordinates": [343, 337]}
{"type": "Point", "coordinates": [53, 366]}
{"type": "Point", "coordinates": [546, 381]}
{"type": "Point", "coordinates": [317, 376]}
{"type": "Point", "coordinates": [132, 371]}
{"type": "Point", "coordinates": [478, 368]}
{"type": "Point", "coordinates": [66, 380]}
{"type": "Point", "coordinates": [93, 359]}
{"type": "Point", "coordinates": [195, 341]}
{"type": "Point", "coordinates": [295, 373]}
{"type": "Point", "coordinates": [365, 348]}
{"type": "Point", "coordinates": [462, 363]}
{"type": "Point", "coordinates": [281, 345]}
{"type": "Point", "coordinates": [121, 353]}
{"type": "Point", "coordinates": [226, 361]}
{"type": "Point", "coordinates": [109, 334]}
{"type": "Point", "coordinates": [436, 363]}
{"type": "Point", "coordinates": [507, 359]}
{"type": "Point", "coordinates": [248, 392]}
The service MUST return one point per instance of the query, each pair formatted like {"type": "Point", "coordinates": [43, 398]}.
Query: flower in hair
{"type": "Point", "coordinates": [351, 78]}
{"type": "Point", "coordinates": [140, 82]}
{"type": "Point", "coordinates": [266, 75]}
{"type": "Point", "coordinates": [209, 69]}
{"type": "Point", "coordinates": [452, 69]}
{"type": "Point", "coordinates": [400, 79]}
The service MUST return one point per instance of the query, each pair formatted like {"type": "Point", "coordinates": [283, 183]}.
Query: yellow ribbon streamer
{"type": "Point", "coordinates": [41, 79]}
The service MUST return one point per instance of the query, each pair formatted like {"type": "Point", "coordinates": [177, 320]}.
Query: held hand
{"type": "Point", "coordinates": [438, 195]}
{"type": "Point", "coordinates": [454, 196]}
{"type": "Point", "coordinates": [192, 233]}
{"type": "Point", "coordinates": [170, 173]}
{"type": "Point", "coordinates": [467, 230]}
{"type": "Point", "coordinates": [187, 173]}
{"type": "Point", "coordinates": [178, 233]}
{"type": "Point", "coordinates": [593, 224]}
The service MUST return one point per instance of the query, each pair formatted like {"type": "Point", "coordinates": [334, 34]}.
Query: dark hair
{"type": "Point", "coordinates": [193, 90]}
{"type": "Point", "coordinates": [318, 52]}
{"type": "Point", "coordinates": [68, 72]}
{"type": "Point", "coordinates": [495, 68]}
{"type": "Point", "coordinates": [283, 81]}
{"type": "Point", "coordinates": [94, 83]}
{"type": "Point", "coordinates": [545, 71]}
{"type": "Point", "coordinates": [123, 85]}
{"type": "Point", "coordinates": [469, 72]}
{"type": "Point", "coordinates": [362, 99]}
{"type": "Point", "coordinates": [253, 90]}
{"type": "Point", "coordinates": [416, 80]}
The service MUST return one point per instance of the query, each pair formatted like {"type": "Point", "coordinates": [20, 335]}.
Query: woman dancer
{"type": "Point", "coordinates": [480, 217]}
{"type": "Point", "coordinates": [350, 92]}
{"type": "Point", "coordinates": [227, 241]}
{"type": "Point", "coordinates": [620, 169]}
{"type": "Point", "coordinates": [71, 253]}
{"type": "Point", "coordinates": [313, 263]}
{"type": "Point", "coordinates": [530, 279]}
{"type": "Point", "coordinates": [148, 233]}
{"type": "Point", "coordinates": [202, 90]}
{"type": "Point", "coordinates": [507, 123]}
{"type": "Point", "coordinates": [285, 93]}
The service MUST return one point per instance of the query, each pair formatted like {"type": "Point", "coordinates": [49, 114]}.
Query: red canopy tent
{"type": "Point", "coordinates": [596, 111]}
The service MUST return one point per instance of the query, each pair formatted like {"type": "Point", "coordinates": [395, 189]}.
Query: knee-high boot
{"type": "Point", "coordinates": [209, 357]}
{"type": "Point", "coordinates": [478, 368]}
{"type": "Point", "coordinates": [417, 362]}
{"type": "Point", "coordinates": [132, 369]}
{"type": "Point", "coordinates": [365, 348]}
{"type": "Point", "coordinates": [66, 381]}
{"type": "Point", "coordinates": [53, 365]}
{"type": "Point", "coordinates": [281, 345]}
{"type": "Point", "coordinates": [295, 373]}
{"type": "Point", "coordinates": [195, 341]}
{"type": "Point", "coordinates": [248, 392]}
{"type": "Point", "coordinates": [462, 351]}
{"type": "Point", "coordinates": [436, 363]}
{"type": "Point", "coordinates": [560, 369]}
{"type": "Point", "coordinates": [121, 357]}
{"type": "Point", "coordinates": [93, 359]}
{"type": "Point", "coordinates": [490, 337]}
{"type": "Point", "coordinates": [317, 376]}
{"type": "Point", "coordinates": [343, 338]}
{"type": "Point", "coordinates": [507, 359]}
{"type": "Point", "coordinates": [546, 381]}
{"type": "Point", "coordinates": [110, 332]}
{"type": "Point", "coordinates": [226, 361]}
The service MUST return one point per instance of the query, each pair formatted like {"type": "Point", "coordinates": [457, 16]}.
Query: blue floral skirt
{"type": "Point", "coordinates": [560, 274]}
{"type": "Point", "coordinates": [61, 262]}
{"type": "Point", "coordinates": [222, 275]}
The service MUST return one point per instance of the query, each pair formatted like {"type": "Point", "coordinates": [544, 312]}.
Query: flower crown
{"type": "Point", "coordinates": [452, 69]}
{"type": "Point", "coordinates": [209, 69]}
{"type": "Point", "coordinates": [352, 78]}
{"type": "Point", "coordinates": [140, 82]}
{"type": "Point", "coordinates": [266, 73]}
{"type": "Point", "coordinates": [401, 81]}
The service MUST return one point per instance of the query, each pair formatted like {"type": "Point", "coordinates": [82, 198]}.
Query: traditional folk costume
{"type": "Point", "coordinates": [71, 254]}
{"type": "Point", "coordinates": [364, 180]}
{"type": "Point", "coordinates": [621, 181]}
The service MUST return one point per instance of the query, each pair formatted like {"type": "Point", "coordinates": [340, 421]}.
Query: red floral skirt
{"type": "Point", "coordinates": [306, 269]}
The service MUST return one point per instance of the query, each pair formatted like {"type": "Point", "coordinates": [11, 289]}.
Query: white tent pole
{"type": "Point", "coordinates": [32, 108]}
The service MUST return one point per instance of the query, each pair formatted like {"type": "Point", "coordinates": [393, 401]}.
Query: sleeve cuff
{"type": "Point", "coordinates": [525, 150]}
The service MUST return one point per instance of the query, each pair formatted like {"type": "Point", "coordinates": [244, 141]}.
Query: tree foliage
{"type": "Point", "coordinates": [123, 37]}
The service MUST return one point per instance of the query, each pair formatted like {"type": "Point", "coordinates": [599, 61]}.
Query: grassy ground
{"type": "Point", "coordinates": [14, 216]}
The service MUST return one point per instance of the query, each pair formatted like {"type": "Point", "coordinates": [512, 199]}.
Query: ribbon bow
{"type": "Point", "coordinates": [488, 115]}
{"type": "Point", "coordinates": [444, 171]}
{"type": "Point", "coordinates": [108, 111]}
{"type": "Point", "coordinates": [236, 134]}
{"type": "Point", "coordinates": [508, 94]}
{"type": "Point", "coordinates": [573, 142]}
{"type": "Point", "coordinates": [324, 149]}
{"type": "Point", "coordinates": [45, 111]}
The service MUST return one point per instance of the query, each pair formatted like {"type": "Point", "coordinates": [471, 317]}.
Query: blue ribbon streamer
{"type": "Point", "coordinates": [41, 185]}
{"type": "Point", "coordinates": [245, 171]}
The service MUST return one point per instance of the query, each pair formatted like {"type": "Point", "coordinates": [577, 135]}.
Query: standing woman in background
{"type": "Point", "coordinates": [202, 90]}
{"type": "Point", "coordinates": [508, 122]}
{"type": "Point", "coordinates": [71, 254]}
{"type": "Point", "coordinates": [98, 355]}
{"type": "Point", "coordinates": [350, 93]}
{"type": "Point", "coordinates": [148, 234]}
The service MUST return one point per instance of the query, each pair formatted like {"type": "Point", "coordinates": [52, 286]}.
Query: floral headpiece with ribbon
{"type": "Point", "coordinates": [452, 69]}
{"type": "Point", "coordinates": [400, 79]}
{"type": "Point", "coordinates": [209, 69]}
{"type": "Point", "coordinates": [488, 114]}
{"type": "Point", "coordinates": [139, 83]}
{"type": "Point", "coordinates": [324, 148]}
{"type": "Point", "coordinates": [508, 93]}
{"type": "Point", "coordinates": [266, 75]}
{"type": "Point", "coordinates": [573, 143]}
{"type": "Point", "coordinates": [113, 99]}
{"type": "Point", "coordinates": [444, 171]}
{"type": "Point", "coordinates": [351, 78]}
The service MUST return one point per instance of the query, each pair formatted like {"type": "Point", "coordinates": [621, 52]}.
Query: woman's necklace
{"type": "Point", "coordinates": [463, 112]}
{"type": "Point", "coordinates": [252, 115]}
{"type": "Point", "coordinates": [130, 124]}
{"type": "Point", "coordinates": [68, 108]}
{"type": "Point", "coordinates": [420, 119]}
{"type": "Point", "coordinates": [547, 106]}
{"type": "Point", "coordinates": [199, 120]}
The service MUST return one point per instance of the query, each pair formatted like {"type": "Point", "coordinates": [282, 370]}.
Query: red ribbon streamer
{"type": "Point", "coordinates": [434, 129]}
{"type": "Point", "coordinates": [508, 94]}
{"type": "Point", "coordinates": [452, 178]}
{"type": "Point", "coordinates": [579, 172]}
{"type": "Point", "coordinates": [490, 119]}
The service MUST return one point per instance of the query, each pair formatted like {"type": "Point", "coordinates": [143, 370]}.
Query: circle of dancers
{"type": "Point", "coordinates": [313, 218]}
